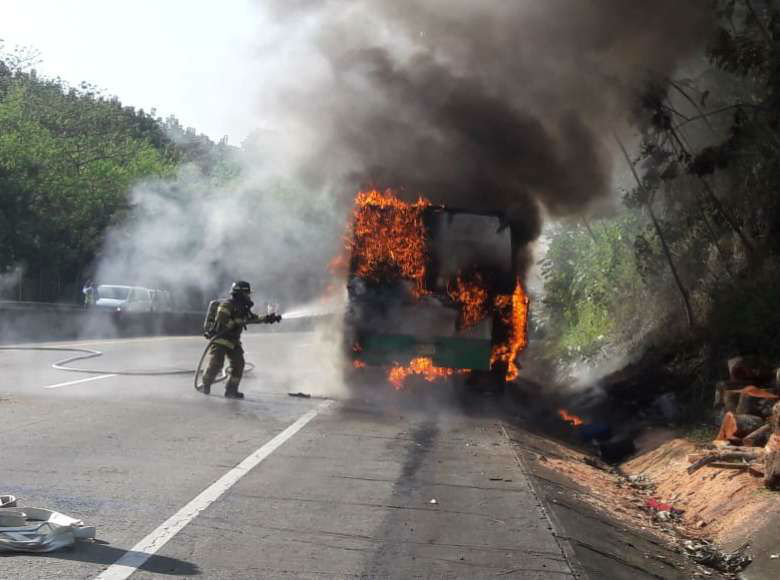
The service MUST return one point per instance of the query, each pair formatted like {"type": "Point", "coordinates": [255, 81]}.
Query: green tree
{"type": "Point", "coordinates": [68, 158]}
{"type": "Point", "coordinates": [703, 217]}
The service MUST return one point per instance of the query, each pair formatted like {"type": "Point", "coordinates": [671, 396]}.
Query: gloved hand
{"type": "Point", "coordinates": [271, 318]}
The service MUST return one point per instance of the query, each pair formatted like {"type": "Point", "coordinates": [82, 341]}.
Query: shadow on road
{"type": "Point", "coordinates": [100, 553]}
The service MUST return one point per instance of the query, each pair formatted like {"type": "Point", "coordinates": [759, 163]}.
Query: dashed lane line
{"type": "Point", "coordinates": [149, 546]}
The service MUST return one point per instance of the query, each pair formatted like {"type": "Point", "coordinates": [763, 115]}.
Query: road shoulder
{"type": "Point", "coordinates": [604, 546]}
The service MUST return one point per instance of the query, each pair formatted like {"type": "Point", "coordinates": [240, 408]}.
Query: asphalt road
{"type": "Point", "coordinates": [383, 485]}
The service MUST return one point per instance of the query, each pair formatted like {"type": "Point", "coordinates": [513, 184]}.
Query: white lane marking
{"type": "Point", "coordinates": [76, 382]}
{"type": "Point", "coordinates": [146, 548]}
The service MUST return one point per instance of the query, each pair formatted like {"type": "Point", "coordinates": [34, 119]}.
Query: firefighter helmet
{"type": "Point", "coordinates": [240, 287]}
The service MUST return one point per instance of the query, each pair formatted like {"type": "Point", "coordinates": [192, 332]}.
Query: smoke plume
{"type": "Point", "coordinates": [193, 237]}
{"type": "Point", "coordinates": [488, 105]}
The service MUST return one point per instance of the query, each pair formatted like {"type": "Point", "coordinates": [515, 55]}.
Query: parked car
{"type": "Point", "coordinates": [124, 298]}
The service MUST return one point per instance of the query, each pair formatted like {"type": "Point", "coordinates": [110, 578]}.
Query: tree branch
{"type": "Point", "coordinates": [692, 101]}
{"type": "Point", "coordinates": [667, 253]}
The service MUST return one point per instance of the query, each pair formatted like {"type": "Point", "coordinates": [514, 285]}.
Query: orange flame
{"type": "Point", "coordinates": [388, 243]}
{"type": "Point", "coordinates": [570, 418]}
{"type": "Point", "coordinates": [422, 366]}
{"type": "Point", "coordinates": [472, 296]}
{"type": "Point", "coordinates": [358, 364]}
{"type": "Point", "coordinates": [513, 311]}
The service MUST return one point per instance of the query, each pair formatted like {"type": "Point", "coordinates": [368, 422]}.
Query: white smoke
{"type": "Point", "coordinates": [194, 235]}
{"type": "Point", "coordinates": [10, 283]}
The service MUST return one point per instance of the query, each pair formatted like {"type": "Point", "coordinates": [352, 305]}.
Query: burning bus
{"type": "Point", "coordinates": [432, 291]}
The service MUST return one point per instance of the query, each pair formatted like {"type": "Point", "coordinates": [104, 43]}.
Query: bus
{"type": "Point", "coordinates": [432, 291]}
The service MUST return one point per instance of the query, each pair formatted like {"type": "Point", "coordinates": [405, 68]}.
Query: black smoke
{"type": "Point", "coordinates": [492, 104]}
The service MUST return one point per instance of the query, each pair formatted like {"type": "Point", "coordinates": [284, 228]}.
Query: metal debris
{"type": "Point", "coordinates": [640, 482]}
{"type": "Point", "coordinates": [706, 554]}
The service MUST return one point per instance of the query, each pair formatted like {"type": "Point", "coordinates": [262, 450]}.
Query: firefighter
{"type": "Point", "coordinates": [89, 291]}
{"type": "Point", "coordinates": [232, 316]}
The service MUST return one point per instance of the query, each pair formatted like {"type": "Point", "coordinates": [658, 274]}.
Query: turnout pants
{"type": "Point", "coordinates": [217, 354]}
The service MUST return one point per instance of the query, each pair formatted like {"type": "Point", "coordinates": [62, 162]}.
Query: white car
{"type": "Point", "coordinates": [124, 298]}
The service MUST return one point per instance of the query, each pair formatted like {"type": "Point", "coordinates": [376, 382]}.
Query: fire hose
{"type": "Point", "coordinates": [270, 319]}
{"type": "Point", "coordinates": [225, 372]}
{"type": "Point", "coordinates": [88, 353]}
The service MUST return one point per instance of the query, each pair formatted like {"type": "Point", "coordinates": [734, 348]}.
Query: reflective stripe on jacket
{"type": "Point", "coordinates": [229, 322]}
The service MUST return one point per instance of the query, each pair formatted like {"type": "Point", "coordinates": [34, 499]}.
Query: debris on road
{"type": "Point", "coordinates": [706, 554]}
{"type": "Point", "coordinates": [663, 511]}
{"type": "Point", "coordinates": [667, 516]}
{"type": "Point", "coordinates": [433, 501]}
{"type": "Point", "coordinates": [658, 506]}
{"type": "Point", "coordinates": [640, 482]}
{"type": "Point", "coordinates": [300, 395]}
{"type": "Point", "coordinates": [7, 501]}
{"type": "Point", "coordinates": [33, 529]}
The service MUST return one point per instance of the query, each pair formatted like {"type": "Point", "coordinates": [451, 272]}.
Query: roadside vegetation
{"type": "Point", "coordinates": [68, 159]}
{"type": "Point", "coordinates": [689, 263]}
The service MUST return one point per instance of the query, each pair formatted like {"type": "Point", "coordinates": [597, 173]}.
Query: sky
{"type": "Point", "coordinates": [194, 59]}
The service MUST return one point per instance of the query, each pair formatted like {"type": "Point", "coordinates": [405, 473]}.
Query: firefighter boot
{"type": "Point", "coordinates": [232, 392]}
{"type": "Point", "coordinates": [204, 388]}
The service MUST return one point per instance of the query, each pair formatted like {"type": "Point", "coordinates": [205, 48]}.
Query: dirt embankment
{"type": "Point", "coordinates": [730, 507]}
{"type": "Point", "coordinates": [725, 503]}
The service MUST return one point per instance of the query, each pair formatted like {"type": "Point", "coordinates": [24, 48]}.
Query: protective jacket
{"type": "Point", "coordinates": [232, 317]}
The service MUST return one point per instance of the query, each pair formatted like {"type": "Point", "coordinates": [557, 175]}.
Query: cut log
{"type": "Point", "coordinates": [724, 387]}
{"type": "Point", "coordinates": [747, 368]}
{"type": "Point", "coordinates": [755, 401]}
{"type": "Point", "coordinates": [736, 426]}
{"type": "Point", "coordinates": [728, 427]}
{"type": "Point", "coordinates": [746, 424]}
{"type": "Point", "coordinates": [731, 390]}
{"type": "Point", "coordinates": [745, 455]}
{"type": "Point", "coordinates": [731, 400]}
{"type": "Point", "coordinates": [774, 419]}
{"type": "Point", "coordinates": [727, 465]}
{"type": "Point", "coordinates": [772, 469]}
{"type": "Point", "coordinates": [758, 438]}
{"type": "Point", "coordinates": [773, 444]}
